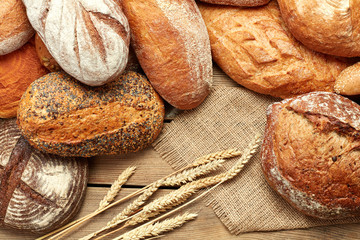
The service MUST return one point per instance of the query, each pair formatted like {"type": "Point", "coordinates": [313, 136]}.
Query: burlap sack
{"type": "Point", "coordinates": [228, 119]}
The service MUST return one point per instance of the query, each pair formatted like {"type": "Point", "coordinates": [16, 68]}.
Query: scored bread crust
{"type": "Point", "coordinates": [331, 27]}
{"type": "Point", "coordinates": [310, 154]}
{"type": "Point", "coordinates": [240, 3]}
{"type": "Point", "coordinates": [252, 46]}
{"type": "Point", "coordinates": [15, 28]}
{"type": "Point", "coordinates": [173, 48]}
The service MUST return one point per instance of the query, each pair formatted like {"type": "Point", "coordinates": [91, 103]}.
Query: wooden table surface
{"type": "Point", "coordinates": [150, 167]}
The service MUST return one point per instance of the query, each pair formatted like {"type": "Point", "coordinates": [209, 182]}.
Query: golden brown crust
{"type": "Point", "coordinates": [17, 70]}
{"type": "Point", "coordinates": [240, 3]}
{"type": "Point", "coordinates": [310, 154]}
{"type": "Point", "coordinates": [15, 28]}
{"type": "Point", "coordinates": [326, 26]}
{"type": "Point", "coordinates": [172, 45]}
{"type": "Point", "coordinates": [59, 115]}
{"type": "Point", "coordinates": [348, 82]}
{"type": "Point", "coordinates": [44, 56]}
{"type": "Point", "coordinates": [253, 47]}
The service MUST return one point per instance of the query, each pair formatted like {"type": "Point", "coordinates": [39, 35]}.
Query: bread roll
{"type": "Point", "coordinates": [89, 39]}
{"type": "Point", "coordinates": [254, 49]}
{"type": "Point", "coordinates": [325, 26]}
{"type": "Point", "coordinates": [172, 46]}
{"type": "Point", "coordinates": [38, 192]}
{"type": "Point", "coordinates": [17, 70]}
{"type": "Point", "coordinates": [310, 154]}
{"type": "Point", "coordinates": [59, 115]}
{"type": "Point", "coordinates": [241, 3]}
{"type": "Point", "coordinates": [44, 56]}
{"type": "Point", "coordinates": [348, 82]}
{"type": "Point", "coordinates": [15, 28]}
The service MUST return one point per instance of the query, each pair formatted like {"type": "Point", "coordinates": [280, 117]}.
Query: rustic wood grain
{"type": "Point", "coordinates": [206, 226]}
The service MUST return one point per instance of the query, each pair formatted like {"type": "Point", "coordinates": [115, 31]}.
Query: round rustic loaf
{"type": "Point", "coordinates": [348, 82]}
{"type": "Point", "coordinates": [310, 154]}
{"type": "Point", "coordinates": [173, 48]}
{"type": "Point", "coordinates": [59, 115]}
{"type": "Point", "coordinates": [325, 26]}
{"type": "Point", "coordinates": [38, 192]}
{"type": "Point", "coordinates": [17, 70]}
{"type": "Point", "coordinates": [240, 3]}
{"type": "Point", "coordinates": [255, 50]}
{"type": "Point", "coordinates": [15, 28]}
{"type": "Point", "coordinates": [88, 39]}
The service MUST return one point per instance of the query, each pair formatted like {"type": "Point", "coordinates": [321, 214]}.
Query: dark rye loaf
{"type": "Point", "coordinates": [38, 192]}
{"type": "Point", "coordinates": [310, 154]}
{"type": "Point", "coordinates": [60, 115]}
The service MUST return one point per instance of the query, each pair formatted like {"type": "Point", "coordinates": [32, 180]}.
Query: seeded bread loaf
{"type": "Point", "coordinates": [253, 47]}
{"type": "Point", "coordinates": [38, 192]}
{"type": "Point", "coordinates": [173, 48]}
{"type": "Point", "coordinates": [59, 115]}
{"type": "Point", "coordinates": [311, 154]}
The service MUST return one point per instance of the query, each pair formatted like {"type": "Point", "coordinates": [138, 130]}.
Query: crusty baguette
{"type": "Point", "coordinates": [15, 28]}
{"type": "Point", "coordinates": [252, 46]}
{"type": "Point", "coordinates": [59, 115]}
{"type": "Point", "coordinates": [173, 48]}
{"type": "Point", "coordinates": [310, 154]}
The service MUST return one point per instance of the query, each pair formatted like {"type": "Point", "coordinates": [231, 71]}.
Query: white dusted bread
{"type": "Point", "coordinates": [89, 39]}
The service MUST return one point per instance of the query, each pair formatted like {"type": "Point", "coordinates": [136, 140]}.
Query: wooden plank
{"type": "Point", "coordinates": [206, 226]}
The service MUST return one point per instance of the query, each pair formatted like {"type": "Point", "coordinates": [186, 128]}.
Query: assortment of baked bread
{"type": "Point", "coordinates": [78, 90]}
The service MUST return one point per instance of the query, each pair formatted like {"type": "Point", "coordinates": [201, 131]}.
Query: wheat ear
{"type": "Point", "coordinates": [116, 186]}
{"type": "Point", "coordinates": [154, 229]}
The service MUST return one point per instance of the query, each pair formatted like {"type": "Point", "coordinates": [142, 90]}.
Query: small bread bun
{"type": "Point", "coordinates": [15, 28]}
{"type": "Point", "coordinates": [45, 57]}
{"type": "Point", "coordinates": [348, 82]}
{"type": "Point", "coordinates": [330, 27]}
{"type": "Point", "coordinates": [310, 154]}
{"type": "Point", "coordinates": [17, 71]}
{"type": "Point", "coordinates": [240, 3]}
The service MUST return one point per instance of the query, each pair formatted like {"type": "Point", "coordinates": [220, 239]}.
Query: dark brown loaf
{"type": "Point", "coordinates": [173, 48]}
{"type": "Point", "coordinates": [38, 191]}
{"type": "Point", "coordinates": [252, 46]}
{"type": "Point", "coordinates": [59, 115]}
{"type": "Point", "coordinates": [241, 3]}
{"type": "Point", "coordinates": [310, 154]}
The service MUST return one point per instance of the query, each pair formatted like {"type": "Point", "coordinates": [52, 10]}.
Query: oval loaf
{"type": "Point", "coordinates": [310, 154]}
{"type": "Point", "coordinates": [38, 192]}
{"type": "Point", "coordinates": [59, 115]}
{"type": "Point", "coordinates": [88, 39]}
{"type": "Point", "coordinates": [240, 3]}
{"type": "Point", "coordinates": [252, 46]}
{"type": "Point", "coordinates": [173, 48]}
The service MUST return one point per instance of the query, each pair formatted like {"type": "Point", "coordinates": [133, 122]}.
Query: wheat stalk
{"type": "Point", "coordinates": [154, 229]}
{"type": "Point", "coordinates": [199, 161]}
{"type": "Point", "coordinates": [115, 187]}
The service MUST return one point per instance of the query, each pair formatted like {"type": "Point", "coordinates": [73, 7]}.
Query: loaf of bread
{"type": "Point", "coordinates": [254, 49]}
{"type": "Point", "coordinates": [44, 56]}
{"type": "Point", "coordinates": [59, 115]}
{"type": "Point", "coordinates": [348, 82]}
{"type": "Point", "coordinates": [173, 48]}
{"type": "Point", "coordinates": [38, 192]}
{"type": "Point", "coordinates": [15, 28]}
{"type": "Point", "coordinates": [88, 39]}
{"type": "Point", "coordinates": [331, 27]}
{"type": "Point", "coordinates": [17, 70]}
{"type": "Point", "coordinates": [310, 154]}
{"type": "Point", "coordinates": [240, 3]}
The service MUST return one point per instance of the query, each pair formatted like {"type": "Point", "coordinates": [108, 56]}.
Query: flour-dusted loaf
{"type": "Point", "coordinates": [348, 82]}
{"type": "Point", "coordinates": [173, 48]}
{"type": "Point", "coordinates": [241, 3]}
{"type": "Point", "coordinates": [60, 115]}
{"type": "Point", "coordinates": [89, 39]}
{"type": "Point", "coordinates": [38, 192]}
{"type": "Point", "coordinates": [18, 70]}
{"type": "Point", "coordinates": [311, 154]}
{"type": "Point", "coordinates": [252, 46]}
{"type": "Point", "coordinates": [15, 28]}
{"type": "Point", "coordinates": [327, 26]}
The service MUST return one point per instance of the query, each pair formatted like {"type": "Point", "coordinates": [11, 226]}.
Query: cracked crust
{"type": "Point", "coordinates": [310, 154]}
{"type": "Point", "coordinates": [240, 3]}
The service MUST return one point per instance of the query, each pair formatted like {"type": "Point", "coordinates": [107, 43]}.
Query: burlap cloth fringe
{"type": "Point", "coordinates": [228, 118]}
